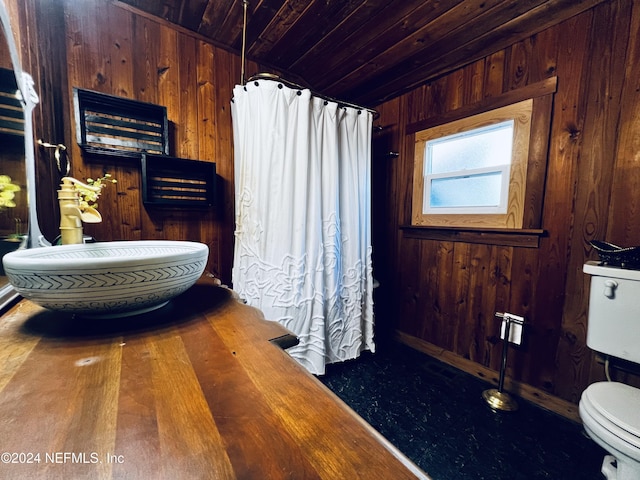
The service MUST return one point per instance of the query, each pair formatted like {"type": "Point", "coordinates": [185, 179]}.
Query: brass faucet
{"type": "Point", "coordinates": [71, 214]}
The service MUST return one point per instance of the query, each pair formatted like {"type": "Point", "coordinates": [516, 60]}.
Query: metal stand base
{"type": "Point", "coordinates": [498, 400]}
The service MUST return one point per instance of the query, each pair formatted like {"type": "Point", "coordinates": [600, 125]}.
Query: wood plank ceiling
{"type": "Point", "coordinates": [364, 51]}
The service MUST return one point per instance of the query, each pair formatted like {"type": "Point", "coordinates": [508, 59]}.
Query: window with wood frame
{"type": "Point", "coordinates": [472, 171]}
{"type": "Point", "coordinates": [521, 224]}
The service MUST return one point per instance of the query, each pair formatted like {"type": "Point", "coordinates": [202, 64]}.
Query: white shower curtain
{"type": "Point", "coordinates": [303, 230]}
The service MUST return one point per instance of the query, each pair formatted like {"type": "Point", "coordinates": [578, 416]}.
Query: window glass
{"type": "Point", "coordinates": [483, 190]}
{"type": "Point", "coordinates": [482, 147]}
{"type": "Point", "coordinates": [467, 171]}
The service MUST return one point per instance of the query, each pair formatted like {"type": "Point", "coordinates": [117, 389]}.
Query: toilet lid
{"type": "Point", "coordinates": [618, 403]}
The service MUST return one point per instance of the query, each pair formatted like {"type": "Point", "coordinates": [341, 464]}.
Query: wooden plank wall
{"type": "Point", "coordinates": [110, 48]}
{"type": "Point", "coordinates": [116, 51]}
{"type": "Point", "coordinates": [446, 293]}
{"type": "Point", "coordinates": [5, 59]}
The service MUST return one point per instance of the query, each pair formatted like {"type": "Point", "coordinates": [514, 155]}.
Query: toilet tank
{"type": "Point", "coordinates": [614, 311]}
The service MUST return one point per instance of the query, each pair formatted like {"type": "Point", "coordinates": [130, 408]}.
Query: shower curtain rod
{"type": "Point", "coordinates": [289, 83]}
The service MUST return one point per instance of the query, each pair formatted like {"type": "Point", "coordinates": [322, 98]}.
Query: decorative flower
{"type": "Point", "coordinates": [7, 192]}
{"type": "Point", "coordinates": [89, 198]}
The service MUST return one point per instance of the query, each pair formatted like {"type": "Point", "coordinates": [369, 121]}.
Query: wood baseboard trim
{"type": "Point", "coordinates": [534, 395]}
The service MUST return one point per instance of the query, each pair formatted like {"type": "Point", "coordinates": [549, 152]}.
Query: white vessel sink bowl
{"type": "Point", "coordinates": [109, 279]}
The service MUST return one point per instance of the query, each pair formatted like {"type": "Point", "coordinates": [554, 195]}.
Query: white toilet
{"type": "Point", "coordinates": [610, 411]}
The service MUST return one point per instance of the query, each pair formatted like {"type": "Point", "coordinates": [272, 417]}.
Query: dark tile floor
{"type": "Point", "coordinates": [436, 416]}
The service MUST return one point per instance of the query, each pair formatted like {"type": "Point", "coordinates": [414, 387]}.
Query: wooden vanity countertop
{"type": "Point", "coordinates": [195, 390]}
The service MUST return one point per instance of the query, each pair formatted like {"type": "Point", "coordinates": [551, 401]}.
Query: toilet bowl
{"type": "Point", "coordinates": [610, 413]}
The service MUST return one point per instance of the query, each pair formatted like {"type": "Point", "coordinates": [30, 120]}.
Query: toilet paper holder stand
{"type": "Point", "coordinates": [498, 399]}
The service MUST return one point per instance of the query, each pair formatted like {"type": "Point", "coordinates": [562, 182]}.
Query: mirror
{"type": "Point", "coordinates": [18, 222]}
